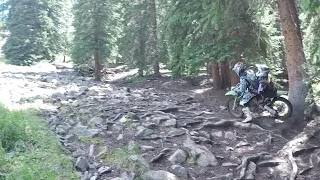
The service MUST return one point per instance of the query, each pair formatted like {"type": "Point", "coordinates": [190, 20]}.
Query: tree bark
{"type": "Point", "coordinates": [295, 57]}
{"type": "Point", "coordinates": [225, 74]}
{"type": "Point", "coordinates": [97, 73]}
{"type": "Point", "coordinates": [215, 76]}
{"type": "Point", "coordinates": [156, 68]}
{"type": "Point", "coordinates": [142, 45]}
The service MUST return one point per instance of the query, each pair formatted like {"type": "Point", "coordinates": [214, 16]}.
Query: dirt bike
{"type": "Point", "coordinates": [281, 108]}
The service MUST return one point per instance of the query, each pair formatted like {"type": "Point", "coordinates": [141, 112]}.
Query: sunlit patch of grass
{"type": "Point", "coordinates": [95, 140]}
{"type": "Point", "coordinates": [29, 150]}
{"type": "Point", "coordinates": [127, 159]}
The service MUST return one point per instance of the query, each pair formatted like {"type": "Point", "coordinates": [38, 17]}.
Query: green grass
{"type": "Point", "coordinates": [29, 150]}
{"type": "Point", "coordinates": [121, 158]}
{"type": "Point", "coordinates": [95, 140]}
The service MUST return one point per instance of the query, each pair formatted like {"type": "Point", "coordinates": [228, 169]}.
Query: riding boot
{"type": "Point", "coordinates": [248, 114]}
{"type": "Point", "coordinates": [270, 110]}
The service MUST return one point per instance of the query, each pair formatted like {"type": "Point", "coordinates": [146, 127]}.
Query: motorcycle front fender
{"type": "Point", "coordinates": [231, 93]}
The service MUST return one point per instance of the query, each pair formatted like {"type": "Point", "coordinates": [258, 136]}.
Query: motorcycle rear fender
{"type": "Point", "coordinates": [283, 94]}
{"type": "Point", "coordinates": [231, 93]}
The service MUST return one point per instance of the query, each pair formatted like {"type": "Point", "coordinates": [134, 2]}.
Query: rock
{"type": "Point", "coordinates": [123, 119]}
{"type": "Point", "coordinates": [217, 134]}
{"type": "Point", "coordinates": [160, 119]}
{"type": "Point", "coordinates": [59, 96]}
{"type": "Point", "coordinates": [120, 137]}
{"type": "Point", "coordinates": [251, 171]}
{"type": "Point", "coordinates": [84, 131]}
{"type": "Point", "coordinates": [133, 116]}
{"type": "Point", "coordinates": [171, 122]}
{"type": "Point", "coordinates": [228, 164]}
{"type": "Point", "coordinates": [194, 133]}
{"type": "Point", "coordinates": [143, 132]}
{"type": "Point", "coordinates": [176, 133]}
{"type": "Point", "coordinates": [201, 139]}
{"type": "Point", "coordinates": [222, 108]}
{"type": "Point", "coordinates": [159, 175]}
{"type": "Point", "coordinates": [242, 143]}
{"type": "Point", "coordinates": [165, 150]}
{"type": "Point", "coordinates": [82, 164]}
{"type": "Point", "coordinates": [140, 164]}
{"type": "Point", "coordinates": [104, 169]}
{"type": "Point", "coordinates": [158, 158]}
{"type": "Point", "coordinates": [85, 176]}
{"type": "Point", "coordinates": [170, 110]}
{"type": "Point", "coordinates": [206, 134]}
{"type": "Point", "coordinates": [150, 125]}
{"type": "Point", "coordinates": [179, 171]}
{"type": "Point", "coordinates": [78, 153]}
{"type": "Point", "coordinates": [70, 137]}
{"type": "Point", "coordinates": [147, 148]}
{"type": "Point", "coordinates": [62, 129]}
{"type": "Point", "coordinates": [91, 150]}
{"type": "Point", "coordinates": [230, 135]}
{"type": "Point", "coordinates": [178, 157]}
{"type": "Point", "coordinates": [200, 154]}
{"type": "Point", "coordinates": [151, 137]}
{"type": "Point", "coordinates": [95, 121]}
{"type": "Point", "coordinates": [132, 145]}
{"type": "Point", "coordinates": [94, 178]}
{"type": "Point", "coordinates": [228, 176]}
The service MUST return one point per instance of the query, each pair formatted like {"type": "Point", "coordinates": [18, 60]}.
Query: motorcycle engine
{"type": "Point", "coordinates": [253, 105]}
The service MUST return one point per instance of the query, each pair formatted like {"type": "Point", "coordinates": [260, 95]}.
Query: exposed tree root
{"type": "Point", "coordinates": [298, 145]}
{"type": "Point", "coordinates": [247, 160]}
{"type": "Point", "coordinates": [224, 123]}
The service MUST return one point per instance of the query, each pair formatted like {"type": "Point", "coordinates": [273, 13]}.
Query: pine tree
{"type": "Point", "coordinates": [135, 46]}
{"type": "Point", "coordinates": [295, 55]}
{"type": "Point", "coordinates": [94, 33]}
{"type": "Point", "coordinates": [33, 27]}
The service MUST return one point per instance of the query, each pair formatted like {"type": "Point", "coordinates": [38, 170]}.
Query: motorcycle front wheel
{"type": "Point", "coordinates": [282, 106]}
{"type": "Point", "coordinates": [234, 109]}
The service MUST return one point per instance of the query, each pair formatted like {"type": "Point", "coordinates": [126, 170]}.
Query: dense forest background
{"type": "Point", "coordinates": [186, 37]}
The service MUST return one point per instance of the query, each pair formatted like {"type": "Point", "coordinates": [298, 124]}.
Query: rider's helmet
{"type": "Point", "coordinates": [239, 68]}
{"type": "Point", "coordinates": [263, 70]}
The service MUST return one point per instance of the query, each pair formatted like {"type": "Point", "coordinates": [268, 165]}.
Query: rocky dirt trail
{"type": "Point", "coordinates": [158, 129]}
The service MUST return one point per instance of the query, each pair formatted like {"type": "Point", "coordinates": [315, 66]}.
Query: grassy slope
{"type": "Point", "coordinates": [30, 151]}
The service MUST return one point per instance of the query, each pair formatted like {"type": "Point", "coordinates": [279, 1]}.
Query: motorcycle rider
{"type": "Point", "coordinates": [246, 82]}
{"type": "Point", "coordinates": [266, 88]}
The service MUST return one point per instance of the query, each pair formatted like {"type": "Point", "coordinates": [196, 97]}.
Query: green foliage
{"type": "Point", "coordinates": [127, 159]}
{"type": "Point", "coordinates": [211, 31]}
{"type": "Point", "coordinates": [33, 27]}
{"type": "Point", "coordinates": [12, 128]}
{"type": "Point", "coordinates": [95, 140]}
{"type": "Point", "coordinates": [311, 28]}
{"type": "Point", "coordinates": [134, 45]}
{"type": "Point", "coordinates": [95, 23]}
{"type": "Point", "coordinates": [29, 149]}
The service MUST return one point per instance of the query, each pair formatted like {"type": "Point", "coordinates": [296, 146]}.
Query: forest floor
{"type": "Point", "coordinates": [159, 129]}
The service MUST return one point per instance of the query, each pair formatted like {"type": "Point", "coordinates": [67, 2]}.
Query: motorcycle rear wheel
{"type": "Point", "coordinates": [282, 106]}
{"type": "Point", "coordinates": [237, 112]}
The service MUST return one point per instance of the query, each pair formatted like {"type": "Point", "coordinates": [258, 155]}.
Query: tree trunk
{"type": "Point", "coordinates": [156, 68]}
{"type": "Point", "coordinates": [225, 74]}
{"type": "Point", "coordinates": [295, 57]}
{"type": "Point", "coordinates": [64, 58]}
{"type": "Point", "coordinates": [142, 45]}
{"type": "Point", "coordinates": [97, 73]}
{"type": "Point", "coordinates": [215, 76]}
